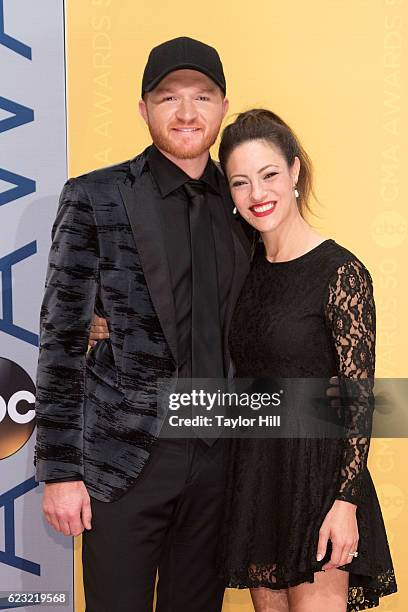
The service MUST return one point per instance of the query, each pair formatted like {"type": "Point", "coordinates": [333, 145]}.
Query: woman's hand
{"type": "Point", "coordinates": [340, 526]}
{"type": "Point", "coordinates": [99, 330]}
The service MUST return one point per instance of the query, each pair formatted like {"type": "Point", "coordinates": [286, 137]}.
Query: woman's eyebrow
{"type": "Point", "coordinates": [259, 171]}
{"type": "Point", "coordinates": [265, 167]}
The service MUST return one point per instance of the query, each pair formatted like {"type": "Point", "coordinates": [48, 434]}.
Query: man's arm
{"type": "Point", "coordinates": [66, 312]}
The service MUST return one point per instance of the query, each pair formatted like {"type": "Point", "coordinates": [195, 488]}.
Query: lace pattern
{"type": "Point", "coordinates": [351, 316]}
{"type": "Point", "coordinates": [359, 597]}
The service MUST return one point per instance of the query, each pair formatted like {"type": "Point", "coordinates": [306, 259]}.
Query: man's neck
{"type": "Point", "coordinates": [194, 168]}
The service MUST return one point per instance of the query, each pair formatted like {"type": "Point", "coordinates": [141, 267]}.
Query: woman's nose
{"type": "Point", "coordinates": [258, 193]}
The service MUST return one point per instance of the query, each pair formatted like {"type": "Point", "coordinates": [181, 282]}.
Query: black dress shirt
{"type": "Point", "coordinates": [170, 179]}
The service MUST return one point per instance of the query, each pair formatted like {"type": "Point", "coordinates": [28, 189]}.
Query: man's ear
{"type": "Point", "coordinates": [225, 107]}
{"type": "Point", "coordinates": [143, 109]}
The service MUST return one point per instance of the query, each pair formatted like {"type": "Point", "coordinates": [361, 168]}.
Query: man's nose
{"type": "Point", "coordinates": [186, 111]}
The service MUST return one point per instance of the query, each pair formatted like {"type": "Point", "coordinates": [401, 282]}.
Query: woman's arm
{"type": "Point", "coordinates": [350, 314]}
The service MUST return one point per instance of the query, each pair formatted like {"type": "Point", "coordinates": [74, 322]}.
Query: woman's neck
{"type": "Point", "coordinates": [291, 239]}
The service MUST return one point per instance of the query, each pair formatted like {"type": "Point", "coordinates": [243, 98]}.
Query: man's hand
{"type": "Point", "coordinates": [99, 330]}
{"type": "Point", "coordinates": [67, 507]}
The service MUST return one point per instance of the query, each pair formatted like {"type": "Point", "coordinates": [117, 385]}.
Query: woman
{"type": "Point", "coordinates": [299, 506]}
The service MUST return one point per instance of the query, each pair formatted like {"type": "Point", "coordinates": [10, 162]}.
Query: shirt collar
{"type": "Point", "coordinates": [170, 177]}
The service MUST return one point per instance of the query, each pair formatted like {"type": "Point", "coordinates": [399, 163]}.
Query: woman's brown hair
{"type": "Point", "coordinates": [261, 124]}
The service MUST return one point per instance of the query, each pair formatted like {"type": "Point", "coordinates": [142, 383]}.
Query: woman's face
{"type": "Point", "coordinates": [262, 184]}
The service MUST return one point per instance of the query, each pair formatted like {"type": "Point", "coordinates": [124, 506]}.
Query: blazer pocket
{"type": "Point", "coordinates": [101, 363]}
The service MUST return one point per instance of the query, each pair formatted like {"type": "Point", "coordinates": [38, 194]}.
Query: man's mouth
{"type": "Point", "coordinates": [187, 130]}
{"type": "Point", "coordinates": [264, 209]}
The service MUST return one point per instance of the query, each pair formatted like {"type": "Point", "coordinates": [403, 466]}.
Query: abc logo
{"type": "Point", "coordinates": [392, 500]}
{"type": "Point", "coordinates": [17, 416]}
{"type": "Point", "coordinates": [389, 229]}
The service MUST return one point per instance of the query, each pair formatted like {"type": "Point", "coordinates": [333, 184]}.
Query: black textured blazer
{"type": "Point", "coordinates": [97, 413]}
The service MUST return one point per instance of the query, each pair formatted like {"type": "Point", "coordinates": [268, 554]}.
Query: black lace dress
{"type": "Point", "coordinates": [313, 316]}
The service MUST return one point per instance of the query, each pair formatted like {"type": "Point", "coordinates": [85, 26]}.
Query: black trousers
{"type": "Point", "coordinates": [168, 521]}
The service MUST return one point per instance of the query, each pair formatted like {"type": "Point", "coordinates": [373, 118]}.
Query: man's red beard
{"type": "Point", "coordinates": [179, 151]}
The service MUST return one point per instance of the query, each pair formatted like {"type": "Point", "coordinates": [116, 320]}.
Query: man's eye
{"type": "Point", "coordinates": [168, 98]}
{"type": "Point", "coordinates": [205, 98]}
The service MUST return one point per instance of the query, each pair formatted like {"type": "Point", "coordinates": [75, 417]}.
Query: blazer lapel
{"type": "Point", "coordinates": [145, 222]}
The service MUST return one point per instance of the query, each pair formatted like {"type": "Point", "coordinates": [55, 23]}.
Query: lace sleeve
{"type": "Point", "coordinates": [350, 313]}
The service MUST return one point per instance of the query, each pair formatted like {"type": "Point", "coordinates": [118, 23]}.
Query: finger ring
{"type": "Point", "coordinates": [353, 554]}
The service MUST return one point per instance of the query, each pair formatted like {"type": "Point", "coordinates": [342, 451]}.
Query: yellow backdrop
{"type": "Point", "coordinates": [334, 70]}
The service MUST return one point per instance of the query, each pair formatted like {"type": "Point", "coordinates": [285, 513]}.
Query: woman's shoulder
{"type": "Point", "coordinates": [343, 265]}
{"type": "Point", "coordinates": [339, 256]}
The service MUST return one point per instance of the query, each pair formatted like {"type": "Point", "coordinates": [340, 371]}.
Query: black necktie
{"type": "Point", "coordinates": [206, 342]}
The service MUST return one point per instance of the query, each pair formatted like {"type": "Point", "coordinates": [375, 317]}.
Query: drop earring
{"type": "Point", "coordinates": [296, 191]}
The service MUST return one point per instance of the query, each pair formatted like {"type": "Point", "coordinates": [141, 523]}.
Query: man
{"type": "Point", "coordinates": [152, 246]}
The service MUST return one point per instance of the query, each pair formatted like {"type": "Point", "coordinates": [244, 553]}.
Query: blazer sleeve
{"type": "Point", "coordinates": [65, 319]}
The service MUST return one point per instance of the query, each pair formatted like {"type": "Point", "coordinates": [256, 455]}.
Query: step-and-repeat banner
{"type": "Point", "coordinates": [336, 71]}
{"type": "Point", "coordinates": [36, 563]}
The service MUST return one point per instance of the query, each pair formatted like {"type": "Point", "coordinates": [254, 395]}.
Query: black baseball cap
{"type": "Point", "coordinates": [180, 53]}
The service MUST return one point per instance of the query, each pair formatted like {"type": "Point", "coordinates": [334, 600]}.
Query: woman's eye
{"type": "Point", "coordinates": [270, 175]}
{"type": "Point", "coordinates": [238, 183]}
